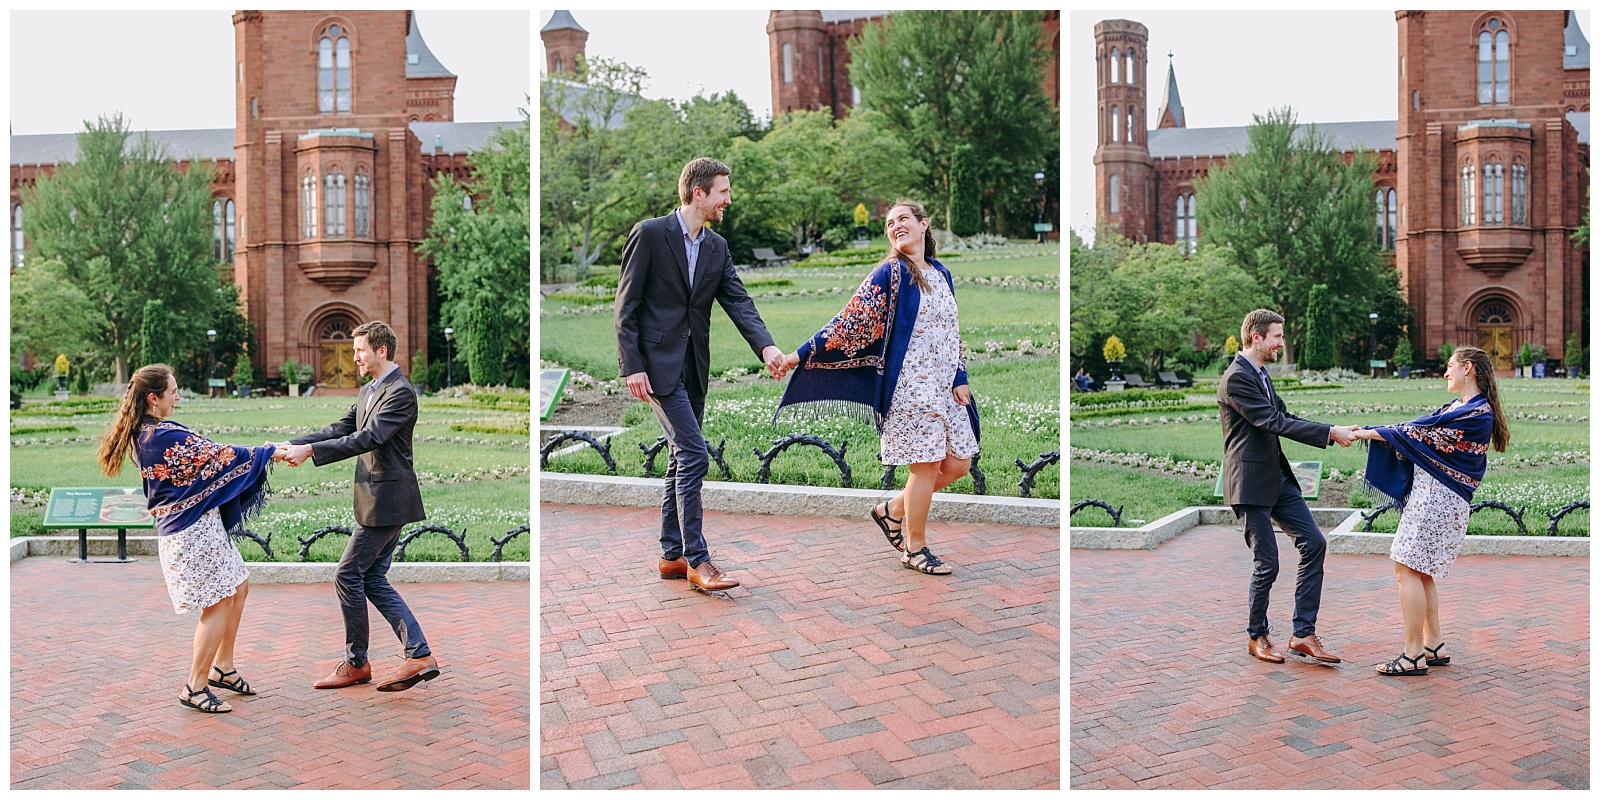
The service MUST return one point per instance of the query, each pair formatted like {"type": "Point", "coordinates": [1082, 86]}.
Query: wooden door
{"type": "Point", "coordinates": [1496, 341]}
{"type": "Point", "coordinates": [338, 368]}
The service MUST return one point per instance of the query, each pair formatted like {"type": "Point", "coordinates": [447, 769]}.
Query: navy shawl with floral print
{"type": "Point", "coordinates": [186, 475]}
{"type": "Point", "coordinates": [1451, 444]}
{"type": "Point", "coordinates": [852, 365]}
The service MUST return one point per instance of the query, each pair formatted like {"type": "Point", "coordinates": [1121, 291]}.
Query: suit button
{"type": "Point", "coordinates": [685, 336]}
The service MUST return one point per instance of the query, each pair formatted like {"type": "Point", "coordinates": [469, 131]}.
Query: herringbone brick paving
{"type": "Point", "coordinates": [97, 659]}
{"type": "Point", "coordinates": [831, 667]}
{"type": "Point", "coordinates": [1164, 694]}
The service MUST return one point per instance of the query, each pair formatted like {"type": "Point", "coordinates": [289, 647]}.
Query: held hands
{"type": "Point", "coordinates": [962, 394]}
{"type": "Point", "coordinates": [1345, 435]}
{"type": "Point", "coordinates": [777, 363]}
{"type": "Point", "coordinates": [294, 454]}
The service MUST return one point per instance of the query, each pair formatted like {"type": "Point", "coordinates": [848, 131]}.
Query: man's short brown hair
{"type": "Point", "coordinates": [700, 172]}
{"type": "Point", "coordinates": [378, 335]}
{"type": "Point", "coordinates": [1257, 321]}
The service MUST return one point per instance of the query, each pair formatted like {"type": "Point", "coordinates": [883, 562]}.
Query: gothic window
{"type": "Point", "coordinates": [1519, 193]}
{"type": "Point", "coordinates": [1129, 129]}
{"type": "Point", "coordinates": [18, 242]}
{"type": "Point", "coordinates": [1494, 182]}
{"type": "Point", "coordinates": [1494, 63]}
{"type": "Point", "coordinates": [1128, 63]}
{"type": "Point", "coordinates": [308, 206]}
{"type": "Point", "coordinates": [820, 79]}
{"type": "Point", "coordinates": [334, 206]}
{"type": "Point", "coordinates": [1116, 124]}
{"type": "Point", "coordinates": [363, 205]}
{"type": "Point", "coordinates": [560, 69]}
{"type": "Point", "coordinates": [1116, 195]}
{"type": "Point", "coordinates": [1468, 195]}
{"type": "Point", "coordinates": [1116, 63]}
{"type": "Point", "coordinates": [1187, 236]}
{"type": "Point", "coordinates": [333, 71]}
{"type": "Point", "coordinates": [788, 63]}
{"type": "Point", "coordinates": [222, 230]}
{"type": "Point", "coordinates": [1494, 313]}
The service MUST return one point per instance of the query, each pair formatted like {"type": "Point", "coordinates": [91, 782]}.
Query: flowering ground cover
{"type": "Point", "coordinates": [1157, 461]}
{"type": "Point", "coordinates": [476, 481]}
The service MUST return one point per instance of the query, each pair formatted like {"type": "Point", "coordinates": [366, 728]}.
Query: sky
{"type": "Point", "coordinates": [1329, 66]}
{"type": "Point", "coordinates": [173, 70]}
{"type": "Point", "coordinates": [734, 60]}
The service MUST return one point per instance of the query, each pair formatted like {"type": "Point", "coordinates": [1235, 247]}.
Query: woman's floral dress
{"type": "Point", "coordinates": [201, 564]}
{"type": "Point", "coordinates": [925, 423]}
{"type": "Point", "coordinates": [1433, 527]}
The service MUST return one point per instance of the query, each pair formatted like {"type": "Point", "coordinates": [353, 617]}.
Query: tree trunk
{"type": "Point", "coordinates": [122, 369]}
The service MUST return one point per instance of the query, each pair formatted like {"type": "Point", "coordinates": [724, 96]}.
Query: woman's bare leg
{"type": "Point", "coordinates": [230, 631]}
{"type": "Point", "coordinates": [950, 470]}
{"type": "Point", "coordinates": [207, 638]}
{"type": "Point", "coordinates": [1432, 634]}
{"type": "Point", "coordinates": [918, 498]}
{"type": "Point", "coordinates": [1413, 605]}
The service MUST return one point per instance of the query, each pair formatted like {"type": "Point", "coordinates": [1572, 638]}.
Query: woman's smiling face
{"type": "Point", "coordinates": [903, 228]}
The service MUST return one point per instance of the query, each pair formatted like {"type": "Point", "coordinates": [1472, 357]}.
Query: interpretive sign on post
{"type": "Point", "coordinates": [98, 507]}
{"type": "Point", "coordinates": [552, 382]}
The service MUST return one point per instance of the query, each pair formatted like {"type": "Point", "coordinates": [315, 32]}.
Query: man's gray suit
{"type": "Point", "coordinates": [1257, 482]}
{"type": "Point", "coordinates": [663, 330]}
{"type": "Point", "coordinates": [377, 431]}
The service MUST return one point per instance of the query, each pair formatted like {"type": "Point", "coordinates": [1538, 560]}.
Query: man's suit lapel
{"type": "Point", "coordinates": [704, 258]}
{"type": "Point", "coordinates": [674, 239]}
{"type": "Point", "coordinates": [366, 400]}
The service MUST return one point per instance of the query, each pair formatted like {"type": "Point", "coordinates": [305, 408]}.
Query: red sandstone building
{"type": "Point", "coordinates": [1480, 183]}
{"type": "Point", "coordinates": [322, 189]}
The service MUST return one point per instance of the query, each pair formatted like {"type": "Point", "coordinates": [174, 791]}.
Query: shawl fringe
{"type": "Point", "coordinates": [817, 409]}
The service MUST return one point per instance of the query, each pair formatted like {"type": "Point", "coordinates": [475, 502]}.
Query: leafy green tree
{"type": "Point", "coordinates": [944, 78]}
{"type": "Point", "coordinates": [154, 341]}
{"type": "Point", "coordinates": [50, 315]}
{"type": "Point", "coordinates": [1292, 213]}
{"type": "Point", "coordinates": [484, 251]}
{"type": "Point", "coordinates": [486, 341]}
{"type": "Point", "coordinates": [1320, 342]}
{"type": "Point", "coordinates": [581, 153]}
{"type": "Point", "coordinates": [966, 208]}
{"type": "Point", "coordinates": [122, 225]}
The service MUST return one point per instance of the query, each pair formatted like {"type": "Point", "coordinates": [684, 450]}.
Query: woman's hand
{"type": "Point", "coordinates": [962, 394]}
{"type": "Point", "coordinates": [1368, 433]}
{"type": "Point", "coordinates": [792, 360]}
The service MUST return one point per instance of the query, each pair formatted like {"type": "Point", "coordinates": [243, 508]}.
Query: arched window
{"type": "Point", "coordinates": [561, 68]}
{"type": "Point", "coordinates": [1187, 236]}
{"type": "Point", "coordinates": [18, 242]}
{"type": "Point", "coordinates": [1116, 195]}
{"type": "Point", "coordinates": [1494, 313]}
{"type": "Point", "coordinates": [1129, 129]}
{"type": "Point", "coordinates": [1494, 182]}
{"type": "Point", "coordinates": [1116, 64]}
{"type": "Point", "coordinates": [333, 71]}
{"type": "Point", "coordinates": [222, 230]}
{"type": "Point", "coordinates": [1494, 63]}
{"type": "Point", "coordinates": [1519, 193]}
{"type": "Point", "coordinates": [1128, 64]}
{"type": "Point", "coordinates": [788, 63]}
{"type": "Point", "coordinates": [363, 205]}
{"type": "Point", "coordinates": [1116, 124]}
{"type": "Point", "coordinates": [1387, 208]}
{"type": "Point", "coordinates": [1468, 195]}
{"type": "Point", "coordinates": [333, 224]}
{"type": "Point", "coordinates": [308, 206]}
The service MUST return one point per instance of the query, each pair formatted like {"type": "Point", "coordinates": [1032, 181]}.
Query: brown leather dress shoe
{"type": "Point", "coordinates": [414, 671]}
{"type": "Point", "coordinates": [707, 578]}
{"type": "Point", "coordinates": [676, 568]}
{"type": "Point", "coordinates": [346, 675]}
{"type": "Point", "coordinates": [1261, 647]}
{"type": "Point", "coordinates": [1311, 647]}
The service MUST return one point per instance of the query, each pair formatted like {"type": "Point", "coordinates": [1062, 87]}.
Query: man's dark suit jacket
{"type": "Point", "coordinates": [1253, 417]}
{"type": "Point", "coordinates": [386, 484]}
{"type": "Point", "coordinates": [659, 317]}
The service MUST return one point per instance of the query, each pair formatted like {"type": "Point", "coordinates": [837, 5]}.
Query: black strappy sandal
{"type": "Point", "coordinates": [896, 537]}
{"type": "Point", "coordinates": [1396, 669]}
{"type": "Point", "coordinates": [239, 686]}
{"type": "Point", "coordinates": [1435, 660]}
{"type": "Point", "coordinates": [210, 705]}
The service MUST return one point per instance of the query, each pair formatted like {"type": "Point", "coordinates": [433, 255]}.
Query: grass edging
{"type": "Point", "coordinates": [265, 572]}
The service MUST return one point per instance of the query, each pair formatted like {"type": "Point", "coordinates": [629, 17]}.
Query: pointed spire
{"type": "Point", "coordinates": [561, 21]}
{"type": "Point", "coordinates": [1575, 53]}
{"type": "Point", "coordinates": [420, 61]}
{"type": "Point", "coordinates": [1170, 114]}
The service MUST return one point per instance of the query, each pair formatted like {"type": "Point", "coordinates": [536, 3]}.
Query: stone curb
{"type": "Point", "coordinates": [1340, 525]}
{"type": "Point", "coordinates": [815, 501]}
{"type": "Point", "coordinates": [264, 572]}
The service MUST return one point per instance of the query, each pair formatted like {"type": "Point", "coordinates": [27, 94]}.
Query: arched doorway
{"type": "Point", "coordinates": [337, 357]}
{"type": "Point", "coordinates": [1494, 333]}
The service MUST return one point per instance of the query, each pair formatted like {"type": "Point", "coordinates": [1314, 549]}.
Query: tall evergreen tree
{"type": "Point", "coordinates": [486, 344]}
{"type": "Point", "coordinates": [155, 339]}
{"type": "Point", "coordinates": [1320, 341]}
{"type": "Point", "coordinates": [966, 201]}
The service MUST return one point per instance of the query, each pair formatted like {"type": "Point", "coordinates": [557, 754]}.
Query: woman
{"type": "Point", "coordinates": [1451, 446]}
{"type": "Point", "coordinates": [893, 355]}
{"type": "Point", "coordinates": [197, 490]}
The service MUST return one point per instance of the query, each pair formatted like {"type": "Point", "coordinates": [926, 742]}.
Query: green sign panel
{"type": "Point", "coordinates": [1308, 473]}
{"type": "Point", "coordinates": [552, 382]}
{"type": "Point", "coordinates": [97, 507]}
{"type": "Point", "coordinates": [1043, 227]}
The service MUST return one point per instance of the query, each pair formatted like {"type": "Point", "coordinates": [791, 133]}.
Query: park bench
{"type": "Point", "coordinates": [767, 257]}
{"type": "Point", "coordinates": [1135, 381]}
{"type": "Point", "coordinates": [1171, 379]}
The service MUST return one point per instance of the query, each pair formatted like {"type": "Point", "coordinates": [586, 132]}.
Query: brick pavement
{"type": "Point", "coordinates": [1164, 694]}
{"type": "Point", "coordinates": [97, 659]}
{"type": "Point", "coordinates": [832, 667]}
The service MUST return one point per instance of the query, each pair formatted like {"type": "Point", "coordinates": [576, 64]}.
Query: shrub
{"type": "Point", "coordinates": [1402, 352]}
{"type": "Point", "coordinates": [1127, 396]}
{"type": "Point", "coordinates": [966, 213]}
{"type": "Point", "coordinates": [1445, 351]}
{"type": "Point", "coordinates": [1320, 344]}
{"type": "Point", "coordinates": [485, 345]}
{"type": "Point", "coordinates": [1113, 350]}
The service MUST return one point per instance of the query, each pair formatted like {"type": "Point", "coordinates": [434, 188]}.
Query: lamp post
{"type": "Point", "coordinates": [449, 354]}
{"type": "Point", "coordinates": [211, 359]}
{"type": "Point", "coordinates": [1373, 364]}
{"type": "Point", "coordinates": [1038, 181]}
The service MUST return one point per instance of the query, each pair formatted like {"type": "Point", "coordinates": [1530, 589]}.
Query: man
{"type": "Point", "coordinates": [672, 268]}
{"type": "Point", "coordinates": [1257, 482]}
{"type": "Point", "coordinates": [377, 429]}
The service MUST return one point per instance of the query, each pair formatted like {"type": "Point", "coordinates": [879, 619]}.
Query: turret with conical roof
{"type": "Point", "coordinates": [564, 40]}
{"type": "Point", "coordinates": [430, 88]}
{"type": "Point", "coordinates": [1122, 166]}
{"type": "Point", "coordinates": [1170, 114]}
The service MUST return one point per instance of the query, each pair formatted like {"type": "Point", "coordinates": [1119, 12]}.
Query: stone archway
{"type": "Point", "coordinates": [1495, 324]}
{"type": "Point", "coordinates": [336, 367]}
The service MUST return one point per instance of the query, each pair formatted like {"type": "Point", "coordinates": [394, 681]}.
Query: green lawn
{"type": "Point", "coordinates": [1545, 468]}
{"type": "Point", "coordinates": [474, 481]}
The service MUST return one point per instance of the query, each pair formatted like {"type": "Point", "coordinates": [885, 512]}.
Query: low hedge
{"type": "Point", "coordinates": [1141, 411]}
{"type": "Point", "coordinates": [1126, 396]}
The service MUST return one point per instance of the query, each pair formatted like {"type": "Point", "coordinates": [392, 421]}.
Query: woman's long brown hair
{"type": "Point", "coordinates": [928, 247]}
{"type": "Point", "coordinates": [1483, 375]}
{"type": "Point", "coordinates": [115, 444]}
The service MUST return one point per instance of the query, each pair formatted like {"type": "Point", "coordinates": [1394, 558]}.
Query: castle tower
{"type": "Point", "coordinates": [564, 40]}
{"type": "Point", "coordinates": [1122, 166]}
{"type": "Point", "coordinates": [797, 45]}
{"type": "Point", "coordinates": [1170, 114]}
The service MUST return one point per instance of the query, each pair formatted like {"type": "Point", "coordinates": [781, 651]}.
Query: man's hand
{"type": "Point", "coordinates": [1343, 434]}
{"type": "Point", "coordinates": [776, 366]}
{"type": "Point", "coordinates": [295, 454]}
{"type": "Point", "coordinates": [639, 386]}
{"type": "Point", "coordinates": [962, 394]}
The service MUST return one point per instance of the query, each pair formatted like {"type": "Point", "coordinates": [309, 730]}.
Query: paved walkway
{"type": "Point", "coordinates": [1164, 694]}
{"type": "Point", "coordinates": [832, 667]}
{"type": "Point", "coordinates": [97, 659]}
